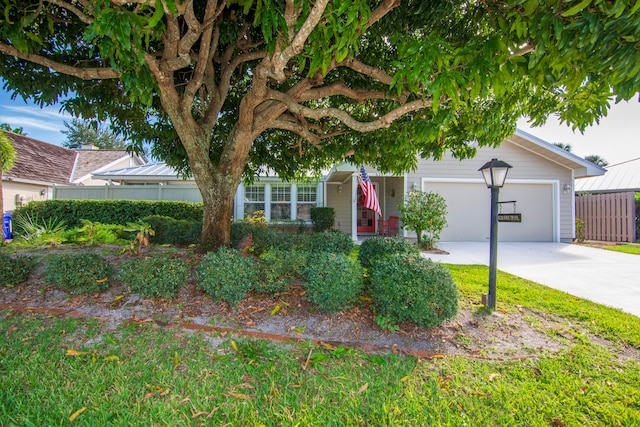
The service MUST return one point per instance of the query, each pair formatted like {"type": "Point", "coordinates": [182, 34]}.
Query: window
{"type": "Point", "coordinates": [253, 199]}
{"type": "Point", "coordinates": [280, 201]}
{"type": "Point", "coordinates": [307, 198]}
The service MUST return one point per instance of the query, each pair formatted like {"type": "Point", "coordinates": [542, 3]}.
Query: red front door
{"type": "Point", "coordinates": [366, 219]}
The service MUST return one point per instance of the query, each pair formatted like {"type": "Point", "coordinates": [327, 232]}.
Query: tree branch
{"type": "Point", "coordinates": [344, 117]}
{"type": "Point", "coordinates": [340, 88]}
{"type": "Point", "coordinates": [81, 73]}
{"type": "Point", "coordinates": [71, 8]}
{"type": "Point", "coordinates": [381, 11]}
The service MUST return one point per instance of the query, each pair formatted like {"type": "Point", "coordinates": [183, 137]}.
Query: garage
{"type": "Point", "coordinates": [469, 207]}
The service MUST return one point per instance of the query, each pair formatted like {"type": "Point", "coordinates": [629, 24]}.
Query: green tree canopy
{"type": "Point", "coordinates": [8, 127]}
{"type": "Point", "coordinates": [226, 88]}
{"type": "Point", "coordinates": [83, 132]}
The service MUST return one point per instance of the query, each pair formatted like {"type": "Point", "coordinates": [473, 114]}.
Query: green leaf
{"type": "Point", "coordinates": [577, 8]}
{"type": "Point", "coordinates": [530, 7]}
{"type": "Point", "coordinates": [158, 13]}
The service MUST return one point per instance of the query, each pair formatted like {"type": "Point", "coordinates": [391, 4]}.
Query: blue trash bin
{"type": "Point", "coordinates": [6, 225]}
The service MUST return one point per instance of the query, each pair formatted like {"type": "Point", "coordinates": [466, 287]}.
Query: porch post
{"type": "Point", "coordinates": [354, 206]}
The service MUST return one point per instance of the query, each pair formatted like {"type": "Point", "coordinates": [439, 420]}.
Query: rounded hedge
{"type": "Point", "coordinates": [79, 273]}
{"type": "Point", "coordinates": [335, 242]}
{"type": "Point", "coordinates": [378, 247]}
{"type": "Point", "coordinates": [410, 288]}
{"type": "Point", "coordinates": [155, 276]}
{"type": "Point", "coordinates": [14, 271]}
{"type": "Point", "coordinates": [278, 268]}
{"type": "Point", "coordinates": [333, 282]}
{"type": "Point", "coordinates": [227, 275]}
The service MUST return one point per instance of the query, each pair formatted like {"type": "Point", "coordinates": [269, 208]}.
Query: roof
{"type": "Point", "coordinates": [39, 161]}
{"type": "Point", "coordinates": [48, 164]}
{"type": "Point", "coordinates": [620, 177]}
{"type": "Point", "coordinates": [142, 173]}
{"type": "Point", "coordinates": [581, 167]}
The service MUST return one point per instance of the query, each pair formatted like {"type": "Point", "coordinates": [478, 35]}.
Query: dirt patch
{"type": "Point", "coordinates": [288, 316]}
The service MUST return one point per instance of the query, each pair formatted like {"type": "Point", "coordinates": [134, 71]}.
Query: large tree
{"type": "Point", "coordinates": [225, 88]}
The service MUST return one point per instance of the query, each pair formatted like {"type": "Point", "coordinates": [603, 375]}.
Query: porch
{"type": "Point", "coordinates": [344, 196]}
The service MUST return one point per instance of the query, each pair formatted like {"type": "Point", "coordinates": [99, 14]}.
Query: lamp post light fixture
{"type": "Point", "coordinates": [494, 174]}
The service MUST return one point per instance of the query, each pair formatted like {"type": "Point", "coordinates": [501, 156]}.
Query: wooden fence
{"type": "Point", "coordinates": [609, 217]}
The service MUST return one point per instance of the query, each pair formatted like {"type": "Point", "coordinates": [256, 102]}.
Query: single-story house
{"type": "Point", "coordinates": [539, 186]}
{"type": "Point", "coordinates": [41, 166]}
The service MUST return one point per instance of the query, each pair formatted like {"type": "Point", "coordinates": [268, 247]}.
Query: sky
{"type": "Point", "coordinates": [616, 138]}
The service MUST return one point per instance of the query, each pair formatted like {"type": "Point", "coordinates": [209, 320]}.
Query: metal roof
{"type": "Point", "coordinates": [142, 172]}
{"type": "Point", "coordinates": [620, 177]}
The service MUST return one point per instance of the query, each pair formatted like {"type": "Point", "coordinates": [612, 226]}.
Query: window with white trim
{"type": "Point", "coordinates": [253, 199]}
{"type": "Point", "coordinates": [307, 199]}
{"type": "Point", "coordinates": [280, 201]}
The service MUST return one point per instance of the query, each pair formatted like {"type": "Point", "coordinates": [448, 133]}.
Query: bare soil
{"type": "Point", "coordinates": [288, 316]}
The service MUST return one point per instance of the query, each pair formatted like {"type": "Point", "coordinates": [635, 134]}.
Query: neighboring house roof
{"type": "Point", "coordinates": [621, 177]}
{"type": "Point", "coordinates": [143, 173]}
{"type": "Point", "coordinates": [40, 162]}
{"type": "Point", "coordinates": [47, 164]}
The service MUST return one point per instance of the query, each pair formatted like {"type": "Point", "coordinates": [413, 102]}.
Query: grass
{"type": "Point", "coordinates": [627, 249]}
{"type": "Point", "coordinates": [56, 369]}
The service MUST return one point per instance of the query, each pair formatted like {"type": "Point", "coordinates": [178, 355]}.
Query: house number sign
{"type": "Point", "coordinates": [509, 217]}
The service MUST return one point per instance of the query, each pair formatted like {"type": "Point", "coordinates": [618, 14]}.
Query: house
{"type": "Point", "coordinates": [539, 187]}
{"type": "Point", "coordinates": [40, 167]}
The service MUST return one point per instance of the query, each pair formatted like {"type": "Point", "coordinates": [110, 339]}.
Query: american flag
{"type": "Point", "coordinates": [369, 192]}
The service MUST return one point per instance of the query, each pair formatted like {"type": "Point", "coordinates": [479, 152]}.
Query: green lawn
{"type": "Point", "coordinates": [56, 369]}
{"type": "Point", "coordinates": [627, 249]}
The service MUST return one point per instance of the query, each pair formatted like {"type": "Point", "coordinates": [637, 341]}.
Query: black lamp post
{"type": "Point", "coordinates": [494, 174]}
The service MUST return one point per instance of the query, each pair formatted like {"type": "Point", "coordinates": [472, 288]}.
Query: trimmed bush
{"type": "Point", "coordinates": [323, 218]}
{"type": "Point", "coordinates": [78, 273]}
{"type": "Point", "coordinates": [333, 282]}
{"type": "Point", "coordinates": [14, 271]}
{"type": "Point", "coordinates": [264, 238]}
{"type": "Point", "coordinates": [108, 211]}
{"type": "Point", "coordinates": [335, 242]}
{"type": "Point", "coordinates": [378, 247]}
{"type": "Point", "coordinates": [278, 268]}
{"type": "Point", "coordinates": [409, 288]}
{"type": "Point", "coordinates": [155, 276]}
{"type": "Point", "coordinates": [174, 231]}
{"type": "Point", "coordinates": [227, 275]}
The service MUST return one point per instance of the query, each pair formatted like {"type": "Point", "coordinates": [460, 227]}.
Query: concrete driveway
{"type": "Point", "coordinates": [602, 276]}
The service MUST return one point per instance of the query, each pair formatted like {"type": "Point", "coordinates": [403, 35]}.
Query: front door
{"type": "Point", "coordinates": [366, 217]}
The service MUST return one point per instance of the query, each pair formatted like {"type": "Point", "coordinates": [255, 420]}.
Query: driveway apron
{"type": "Point", "coordinates": [606, 277]}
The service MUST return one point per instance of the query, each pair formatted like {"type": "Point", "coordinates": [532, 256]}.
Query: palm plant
{"type": "Point", "coordinates": [7, 160]}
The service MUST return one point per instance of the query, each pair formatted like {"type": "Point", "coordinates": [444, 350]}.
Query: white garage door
{"type": "Point", "coordinates": [469, 208]}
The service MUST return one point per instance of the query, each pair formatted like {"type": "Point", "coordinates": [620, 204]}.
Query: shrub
{"type": "Point", "coordinates": [79, 273]}
{"type": "Point", "coordinates": [14, 271]}
{"type": "Point", "coordinates": [278, 268]}
{"type": "Point", "coordinates": [108, 211]}
{"type": "Point", "coordinates": [409, 288]}
{"type": "Point", "coordinates": [378, 247]}
{"type": "Point", "coordinates": [95, 233]}
{"type": "Point", "coordinates": [424, 212]}
{"type": "Point", "coordinates": [155, 276]}
{"type": "Point", "coordinates": [264, 238]}
{"type": "Point", "coordinates": [174, 231]}
{"type": "Point", "coordinates": [227, 275]}
{"type": "Point", "coordinates": [333, 282]}
{"type": "Point", "coordinates": [323, 218]}
{"type": "Point", "coordinates": [335, 242]}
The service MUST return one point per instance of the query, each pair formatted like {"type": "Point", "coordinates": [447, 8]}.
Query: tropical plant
{"type": "Point", "coordinates": [141, 239]}
{"type": "Point", "coordinates": [39, 231]}
{"type": "Point", "coordinates": [597, 160]}
{"type": "Point", "coordinates": [7, 160]}
{"type": "Point", "coordinates": [226, 89]}
{"type": "Point", "coordinates": [424, 212]}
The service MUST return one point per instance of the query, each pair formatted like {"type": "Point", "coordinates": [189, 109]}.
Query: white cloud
{"type": "Point", "coordinates": [27, 122]}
